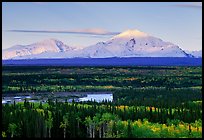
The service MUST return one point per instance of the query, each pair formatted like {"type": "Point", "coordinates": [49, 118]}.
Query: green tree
{"type": "Point", "coordinates": [129, 130]}
{"type": "Point", "coordinates": [106, 117]}
{"type": "Point", "coordinates": [65, 124]}
{"type": "Point", "coordinates": [97, 123]}
{"type": "Point", "coordinates": [3, 134]}
{"type": "Point", "coordinates": [78, 119]}
{"type": "Point", "coordinates": [89, 124]}
{"type": "Point", "coordinates": [12, 129]}
{"type": "Point", "coordinates": [49, 123]}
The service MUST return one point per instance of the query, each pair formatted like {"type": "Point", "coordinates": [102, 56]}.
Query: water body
{"type": "Point", "coordinates": [61, 96]}
{"type": "Point", "coordinates": [115, 61]}
{"type": "Point", "coordinates": [97, 97]}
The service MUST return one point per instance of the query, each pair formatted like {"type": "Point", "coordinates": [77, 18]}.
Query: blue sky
{"type": "Point", "coordinates": [82, 23]}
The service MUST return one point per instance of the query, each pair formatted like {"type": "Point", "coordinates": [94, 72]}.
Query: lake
{"type": "Point", "coordinates": [60, 96]}
{"type": "Point", "coordinates": [97, 97]}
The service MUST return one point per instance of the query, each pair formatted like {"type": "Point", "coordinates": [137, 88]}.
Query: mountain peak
{"type": "Point", "coordinates": [131, 33]}
{"type": "Point", "coordinates": [131, 43]}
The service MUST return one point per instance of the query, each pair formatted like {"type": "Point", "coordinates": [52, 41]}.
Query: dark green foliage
{"type": "Point", "coordinates": [54, 79]}
{"type": "Point", "coordinates": [161, 95]}
{"type": "Point", "coordinates": [70, 120]}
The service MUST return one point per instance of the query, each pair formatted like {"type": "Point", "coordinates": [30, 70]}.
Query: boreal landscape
{"type": "Point", "coordinates": [101, 70]}
{"type": "Point", "coordinates": [148, 102]}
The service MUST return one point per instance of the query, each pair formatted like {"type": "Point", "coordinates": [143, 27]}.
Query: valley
{"type": "Point", "coordinates": [101, 70]}
{"type": "Point", "coordinates": [145, 101]}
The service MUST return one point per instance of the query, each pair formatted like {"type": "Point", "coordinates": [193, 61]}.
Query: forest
{"type": "Point", "coordinates": [148, 102]}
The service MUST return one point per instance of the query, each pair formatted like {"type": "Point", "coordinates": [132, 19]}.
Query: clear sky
{"type": "Point", "coordinates": [85, 23]}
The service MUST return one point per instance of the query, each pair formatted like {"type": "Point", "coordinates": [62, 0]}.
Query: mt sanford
{"type": "Point", "coordinates": [131, 43]}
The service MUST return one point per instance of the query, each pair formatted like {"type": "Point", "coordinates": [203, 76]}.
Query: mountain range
{"type": "Point", "coordinates": [131, 43]}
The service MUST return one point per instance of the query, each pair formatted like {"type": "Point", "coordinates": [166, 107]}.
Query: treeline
{"type": "Point", "coordinates": [159, 97]}
{"type": "Point", "coordinates": [57, 119]}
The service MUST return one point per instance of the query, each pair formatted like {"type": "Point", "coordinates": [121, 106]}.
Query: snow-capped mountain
{"type": "Point", "coordinates": [43, 48]}
{"type": "Point", "coordinates": [197, 54]}
{"type": "Point", "coordinates": [131, 43]}
{"type": "Point", "coordinates": [134, 43]}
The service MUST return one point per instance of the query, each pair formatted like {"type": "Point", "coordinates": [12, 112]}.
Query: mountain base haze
{"type": "Point", "coordinates": [133, 61]}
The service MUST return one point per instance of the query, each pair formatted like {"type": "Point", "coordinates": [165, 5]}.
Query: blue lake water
{"type": "Point", "coordinates": [97, 97]}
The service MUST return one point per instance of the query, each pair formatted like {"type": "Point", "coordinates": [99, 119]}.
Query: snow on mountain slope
{"type": "Point", "coordinates": [96, 51]}
{"type": "Point", "coordinates": [197, 54]}
{"type": "Point", "coordinates": [45, 46]}
{"type": "Point", "coordinates": [131, 43]}
{"type": "Point", "coordinates": [134, 43]}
